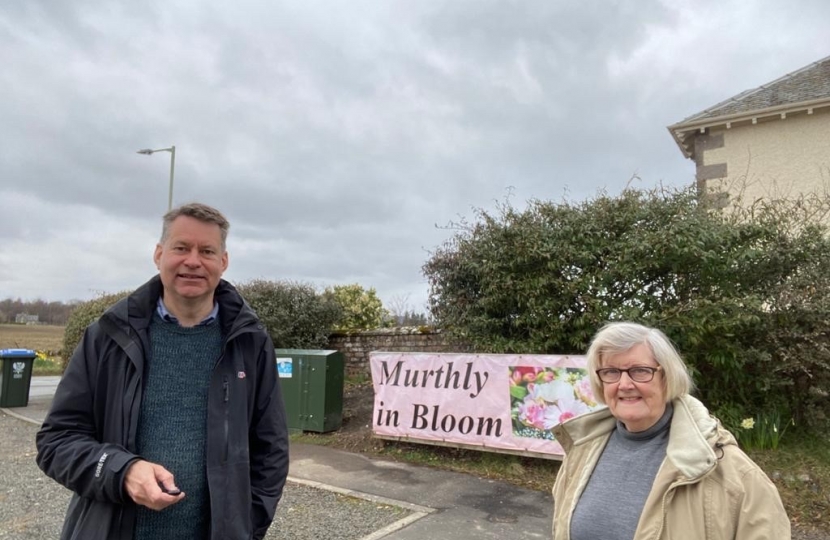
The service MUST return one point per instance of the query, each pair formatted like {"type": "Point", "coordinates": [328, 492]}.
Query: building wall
{"type": "Point", "coordinates": [771, 159]}
{"type": "Point", "coordinates": [357, 346]}
{"type": "Point", "coordinates": [25, 318]}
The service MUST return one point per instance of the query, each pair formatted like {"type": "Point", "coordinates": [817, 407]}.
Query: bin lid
{"type": "Point", "coordinates": [305, 352]}
{"type": "Point", "coordinates": [17, 353]}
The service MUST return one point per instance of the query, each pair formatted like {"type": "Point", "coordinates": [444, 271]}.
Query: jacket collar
{"type": "Point", "coordinates": [693, 436]}
{"type": "Point", "coordinates": [136, 311]}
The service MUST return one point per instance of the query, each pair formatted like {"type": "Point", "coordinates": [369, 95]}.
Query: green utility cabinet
{"type": "Point", "coordinates": [15, 376]}
{"type": "Point", "coordinates": [312, 387]}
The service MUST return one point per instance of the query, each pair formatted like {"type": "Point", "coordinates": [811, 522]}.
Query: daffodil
{"type": "Point", "coordinates": [748, 423]}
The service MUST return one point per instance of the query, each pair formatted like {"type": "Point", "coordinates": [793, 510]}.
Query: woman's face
{"type": "Point", "coordinates": [637, 405]}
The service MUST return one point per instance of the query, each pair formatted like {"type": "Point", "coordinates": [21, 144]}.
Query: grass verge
{"type": "Point", "coordinates": [800, 467]}
{"type": "Point", "coordinates": [800, 470]}
{"type": "Point", "coordinates": [47, 366]}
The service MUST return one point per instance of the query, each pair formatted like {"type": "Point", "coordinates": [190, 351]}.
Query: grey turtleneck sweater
{"type": "Point", "coordinates": [613, 500]}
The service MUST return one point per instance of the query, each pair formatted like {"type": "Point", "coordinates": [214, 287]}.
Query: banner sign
{"type": "Point", "coordinates": [502, 402]}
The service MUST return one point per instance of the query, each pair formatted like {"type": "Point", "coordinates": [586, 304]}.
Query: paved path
{"type": "Point", "coordinates": [43, 386]}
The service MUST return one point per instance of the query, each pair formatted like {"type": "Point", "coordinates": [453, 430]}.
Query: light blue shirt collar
{"type": "Point", "coordinates": [161, 309]}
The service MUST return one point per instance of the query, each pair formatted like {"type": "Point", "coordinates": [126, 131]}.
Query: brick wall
{"type": "Point", "coordinates": [357, 346]}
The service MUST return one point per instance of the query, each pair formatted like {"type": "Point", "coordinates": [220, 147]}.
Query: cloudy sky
{"type": "Point", "coordinates": [339, 137]}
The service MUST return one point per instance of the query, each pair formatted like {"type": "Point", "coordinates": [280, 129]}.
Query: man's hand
{"type": "Point", "coordinates": [143, 483]}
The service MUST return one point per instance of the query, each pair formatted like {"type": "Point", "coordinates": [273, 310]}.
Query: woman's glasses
{"type": "Point", "coordinates": [636, 374]}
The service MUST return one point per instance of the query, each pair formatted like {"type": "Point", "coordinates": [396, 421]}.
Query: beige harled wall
{"type": "Point", "coordinates": [774, 158]}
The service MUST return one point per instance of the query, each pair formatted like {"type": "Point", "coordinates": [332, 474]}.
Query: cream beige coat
{"type": "Point", "coordinates": [706, 488]}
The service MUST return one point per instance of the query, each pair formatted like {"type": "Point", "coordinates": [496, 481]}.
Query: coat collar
{"type": "Point", "coordinates": [136, 310]}
{"type": "Point", "coordinates": [693, 438]}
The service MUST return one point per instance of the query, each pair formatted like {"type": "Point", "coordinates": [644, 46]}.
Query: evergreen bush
{"type": "Point", "coordinates": [296, 316]}
{"type": "Point", "coordinates": [744, 293]}
{"type": "Point", "coordinates": [84, 314]}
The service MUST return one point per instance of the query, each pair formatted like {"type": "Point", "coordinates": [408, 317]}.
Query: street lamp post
{"type": "Point", "coordinates": [172, 151]}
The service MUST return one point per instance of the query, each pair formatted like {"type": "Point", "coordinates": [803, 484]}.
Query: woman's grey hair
{"type": "Point", "coordinates": [619, 337]}
{"type": "Point", "coordinates": [199, 211]}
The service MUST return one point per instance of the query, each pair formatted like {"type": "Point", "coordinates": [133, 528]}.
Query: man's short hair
{"type": "Point", "coordinates": [619, 337]}
{"type": "Point", "coordinates": [199, 211]}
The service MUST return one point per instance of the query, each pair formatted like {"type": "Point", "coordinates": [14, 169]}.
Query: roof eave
{"type": "Point", "coordinates": [681, 130]}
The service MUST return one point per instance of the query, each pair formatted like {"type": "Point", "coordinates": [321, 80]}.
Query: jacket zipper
{"type": "Point", "coordinates": [227, 390]}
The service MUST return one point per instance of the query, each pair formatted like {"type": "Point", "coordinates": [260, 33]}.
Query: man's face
{"type": "Point", "coordinates": [190, 261]}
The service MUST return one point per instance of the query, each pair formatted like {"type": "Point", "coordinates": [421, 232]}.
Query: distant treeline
{"type": "Point", "coordinates": [410, 318]}
{"type": "Point", "coordinates": [55, 313]}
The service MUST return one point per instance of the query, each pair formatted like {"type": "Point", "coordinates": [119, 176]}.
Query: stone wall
{"type": "Point", "coordinates": [357, 346]}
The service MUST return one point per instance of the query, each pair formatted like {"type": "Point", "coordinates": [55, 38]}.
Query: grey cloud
{"type": "Point", "coordinates": [337, 136]}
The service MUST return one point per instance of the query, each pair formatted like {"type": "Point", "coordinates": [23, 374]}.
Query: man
{"type": "Point", "coordinates": [169, 420]}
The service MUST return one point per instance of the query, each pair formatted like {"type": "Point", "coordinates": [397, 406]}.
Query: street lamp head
{"type": "Point", "coordinates": [172, 150]}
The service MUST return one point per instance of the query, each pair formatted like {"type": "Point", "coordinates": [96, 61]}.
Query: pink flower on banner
{"type": "Point", "coordinates": [525, 374]}
{"type": "Point", "coordinates": [561, 402]}
{"type": "Point", "coordinates": [556, 414]}
{"type": "Point", "coordinates": [532, 413]}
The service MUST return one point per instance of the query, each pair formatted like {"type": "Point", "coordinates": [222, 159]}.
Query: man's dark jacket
{"type": "Point", "coordinates": [89, 436]}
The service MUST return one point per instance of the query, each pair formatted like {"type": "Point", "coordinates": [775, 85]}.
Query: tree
{"type": "Point", "coordinates": [398, 308]}
{"type": "Point", "coordinates": [55, 312]}
{"type": "Point", "coordinates": [402, 315]}
{"type": "Point", "coordinates": [734, 290]}
{"type": "Point", "coordinates": [413, 318]}
{"type": "Point", "coordinates": [362, 309]}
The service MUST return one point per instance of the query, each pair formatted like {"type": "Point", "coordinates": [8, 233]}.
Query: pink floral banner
{"type": "Point", "coordinates": [500, 401]}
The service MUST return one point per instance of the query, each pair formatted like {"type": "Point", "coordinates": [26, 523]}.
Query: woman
{"type": "Point", "coordinates": [654, 464]}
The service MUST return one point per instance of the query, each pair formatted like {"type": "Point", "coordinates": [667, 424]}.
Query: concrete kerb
{"type": "Point", "coordinates": [418, 511]}
{"type": "Point", "coordinates": [19, 416]}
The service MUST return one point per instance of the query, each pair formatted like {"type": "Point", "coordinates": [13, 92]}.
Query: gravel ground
{"type": "Point", "coordinates": [32, 506]}
{"type": "Point", "coordinates": [307, 513]}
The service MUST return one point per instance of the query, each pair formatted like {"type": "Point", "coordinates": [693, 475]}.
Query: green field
{"type": "Point", "coordinates": [37, 337]}
{"type": "Point", "coordinates": [42, 338]}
